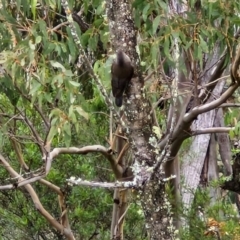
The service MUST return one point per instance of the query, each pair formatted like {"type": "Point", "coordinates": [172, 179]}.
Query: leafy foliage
{"type": "Point", "coordinates": [40, 82]}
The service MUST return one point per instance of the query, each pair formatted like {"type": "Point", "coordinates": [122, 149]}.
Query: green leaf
{"type": "Point", "coordinates": [31, 45]}
{"type": "Point", "coordinates": [84, 38]}
{"type": "Point", "coordinates": [3, 57]}
{"type": "Point", "coordinates": [38, 39]}
{"type": "Point", "coordinates": [93, 42]}
{"type": "Point", "coordinates": [166, 48]}
{"type": "Point", "coordinates": [96, 66]}
{"type": "Point", "coordinates": [163, 5]}
{"type": "Point", "coordinates": [43, 27]}
{"type": "Point", "coordinates": [68, 73]}
{"type": "Point", "coordinates": [156, 23]}
{"type": "Point", "coordinates": [57, 65]}
{"type": "Point", "coordinates": [154, 54]}
{"type": "Point", "coordinates": [145, 11]}
{"type": "Point", "coordinates": [75, 84]}
{"type": "Point", "coordinates": [70, 110]}
{"type": "Point", "coordinates": [67, 133]}
{"type": "Point", "coordinates": [49, 48]}
{"type": "Point", "coordinates": [203, 44]}
{"type": "Point", "coordinates": [55, 112]}
{"type": "Point", "coordinates": [33, 8]}
{"type": "Point", "coordinates": [67, 128]}
{"type": "Point", "coordinates": [100, 8]}
{"type": "Point", "coordinates": [35, 87]}
{"type": "Point", "coordinates": [53, 131]}
{"type": "Point", "coordinates": [98, 22]}
{"type": "Point", "coordinates": [188, 44]}
{"type": "Point", "coordinates": [81, 112]}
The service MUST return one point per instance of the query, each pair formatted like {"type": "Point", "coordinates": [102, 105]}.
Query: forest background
{"type": "Point", "coordinates": [165, 165]}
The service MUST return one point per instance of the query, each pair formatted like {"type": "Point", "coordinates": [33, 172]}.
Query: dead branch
{"type": "Point", "coordinates": [52, 186]}
{"type": "Point", "coordinates": [117, 169]}
{"type": "Point", "coordinates": [235, 71]}
{"type": "Point", "coordinates": [210, 106]}
{"type": "Point", "coordinates": [18, 150]}
{"type": "Point", "coordinates": [212, 130]}
{"type": "Point", "coordinates": [81, 182]}
{"type": "Point", "coordinates": [39, 207]}
{"type": "Point", "coordinates": [39, 140]}
{"type": "Point", "coordinates": [44, 118]}
{"type": "Point", "coordinates": [224, 105]}
{"type": "Point", "coordinates": [88, 149]}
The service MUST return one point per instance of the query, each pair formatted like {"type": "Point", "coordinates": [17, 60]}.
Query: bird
{"type": "Point", "coordinates": [122, 73]}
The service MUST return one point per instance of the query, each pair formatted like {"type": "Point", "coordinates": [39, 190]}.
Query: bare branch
{"type": "Point", "coordinates": [11, 117]}
{"type": "Point", "coordinates": [224, 105]}
{"type": "Point", "coordinates": [45, 119]}
{"type": "Point", "coordinates": [66, 231]}
{"type": "Point", "coordinates": [58, 26]}
{"type": "Point", "coordinates": [212, 130]}
{"type": "Point", "coordinates": [52, 186]}
{"type": "Point", "coordinates": [219, 69]}
{"type": "Point", "coordinates": [39, 140]}
{"type": "Point", "coordinates": [117, 169]}
{"type": "Point", "coordinates": [235, 72]}
{"type": "Point", "coordinates": [18, 151]}
{"type": "Point", "coordinates": [79, 181]}
{"type": "Point", "coordinates": [210, 106]}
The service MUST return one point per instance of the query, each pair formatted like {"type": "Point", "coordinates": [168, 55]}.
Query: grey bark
{"type": "Point", "coordinates": [193, 160]}
{"type": "Point", "coordinates": [223, 143]}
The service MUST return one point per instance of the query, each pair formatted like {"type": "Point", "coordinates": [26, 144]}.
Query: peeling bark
{"type": "Point", "coordinates": [193, 161]}
{"type": "Point", "coordinates": [223, 143]}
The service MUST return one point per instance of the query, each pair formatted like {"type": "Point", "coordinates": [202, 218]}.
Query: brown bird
{"type": "Point", "coordinates": [122, 72]}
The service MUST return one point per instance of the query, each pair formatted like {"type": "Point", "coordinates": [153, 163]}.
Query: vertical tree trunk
{"type": "Point", "coordinates": [194, 160]}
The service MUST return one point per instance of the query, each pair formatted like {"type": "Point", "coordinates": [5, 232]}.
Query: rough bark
{"type": "Point", "coordinates": [194, 160]}
{"type": "Point", "coordinates": [138, 127]}
{"type": "Point", "coordinates": [223, 143]}
{"type": "Point", "coordinates": [212, 170]}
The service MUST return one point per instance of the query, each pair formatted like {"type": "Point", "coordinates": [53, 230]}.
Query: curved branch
{"type": "Point", "coordinates": [210, 106]}
{"type": "Point", "coordinates": [39, 140]}
{"type": "Point", "coordinates": [117, 169]}
{"type": "Point", "coordinates": [219, 68]}
{"type": "Point", "coordinates": [45, 120]}
{"type": "Point", "coordinates": [52, 186]}
{"type": "Point", "coordinates": [66, 231]}
{"type": "Point", "coordinates": [83, 25]}
{"type": "Point", "coordinates": [235, 75]}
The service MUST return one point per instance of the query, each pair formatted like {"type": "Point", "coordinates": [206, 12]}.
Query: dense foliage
{"type": "Point", "coordinates": [43, 81]}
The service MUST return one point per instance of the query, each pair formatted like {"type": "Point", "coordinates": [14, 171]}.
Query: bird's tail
{"type": "Point", "coordinates": [118, 101]}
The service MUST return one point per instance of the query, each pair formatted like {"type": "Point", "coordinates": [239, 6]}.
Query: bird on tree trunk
{"type": "Point", "coordinates": [122, 72]}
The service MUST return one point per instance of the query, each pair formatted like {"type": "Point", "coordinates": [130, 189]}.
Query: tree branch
{"type": "Point", "coordinates": [39, 141]}
{"type": "Point", "coordinates": [211, 130]}
{"type": "Point", "coordinates": [79, 181]}
{"type": "Point", "coordinates": [66, 231]}
{"type": "Point", "coordinates": [210, 106]}
{"type": "Point", "coordinates": [117, 169]}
